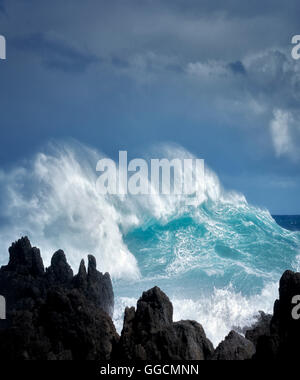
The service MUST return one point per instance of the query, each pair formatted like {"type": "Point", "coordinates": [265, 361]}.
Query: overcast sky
{"type": "Point", "coordinates": [216, 77]}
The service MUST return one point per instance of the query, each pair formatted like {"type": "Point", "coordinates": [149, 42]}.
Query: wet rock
{"type": "Point", "coordinates": [283, 342]}
{"type": "Point", "coordinates": [260, 328]}
{"type": "Point", "coordinates": [149, 333]}
{"type": "Point", "coordinates": [54, 315]}
{"type": "Point", "coordinates": [50, 314]}
{"type": "Point", "coordinates": [59, 271]}
{"type": "Point", "coordinates": [99, 287]}
{"type": "Point", "coordinates": [96, 286]}
{"type": "Point", "coordinates": [80, 279]}
{"type": "Point", "coordinates": [25, 259]}
{"type": "Point", "coordinates": [234, 347]}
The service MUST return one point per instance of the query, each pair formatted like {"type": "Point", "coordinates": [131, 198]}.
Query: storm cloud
{"type": "Point", "coordinates": [214, 76]}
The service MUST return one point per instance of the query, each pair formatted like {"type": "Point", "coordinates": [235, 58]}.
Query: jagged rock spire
{"type": "Point", "coordinates": [53, 315]}
{"type": "Point", "coordinates": [80, 280]}
{"type": "Point", "coordinates": [59, 271]}
{"type": "Point", "coordinates": [25, 259]}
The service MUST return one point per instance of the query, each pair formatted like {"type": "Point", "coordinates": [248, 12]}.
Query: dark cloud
{"type": "Point", "coordinates": [54, 53]}
{"type": "Point", "coordinates": [119, 62]}
{"type": "Point", "coordinates": [237, 67]}
{"type": "Point", "coordinates": [169, 70]}
{"type": "Point", "coordinates": [230, 8]}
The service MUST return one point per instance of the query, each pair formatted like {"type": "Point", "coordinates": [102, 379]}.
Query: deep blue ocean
{"type": "Point", "coordinates": [290, 222]}
{"type": "Point", "coordinates": [217, 257]}
{"type": "Point", "coordinates": [219, 263]}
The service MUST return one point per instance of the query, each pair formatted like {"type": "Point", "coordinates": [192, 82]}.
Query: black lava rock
{"type": "Point", "coordinates": [53, 315]}
{"type": "Point", "coordinates": [50, 314]}
{"type": "Point", "coordinates": [283, 342]}
{"type": "Point", "coordinates": [60, 271]}
{"type": "Point", "coordinates": [260, 328]}
{"type": "Point", "coordinates": [149, 333]}
{"type": "Point", "coordinates": [234, 347]}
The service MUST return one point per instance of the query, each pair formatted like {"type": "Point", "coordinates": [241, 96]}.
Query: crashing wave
{"type": "Point", "coordinates": [209, 254]}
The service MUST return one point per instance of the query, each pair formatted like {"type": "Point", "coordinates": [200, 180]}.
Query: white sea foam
{"type": "Point", "coordinates": [218, 313]}
{"type": "Point", "coordinates": [225, 310]}
{"type": "Point", "coordinates": [53, 200]}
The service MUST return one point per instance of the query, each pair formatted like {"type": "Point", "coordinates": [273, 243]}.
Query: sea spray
{"type": "Point", "coordinates": [218, 258]}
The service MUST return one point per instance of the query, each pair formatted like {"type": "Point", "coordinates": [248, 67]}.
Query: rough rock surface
{"type": "Point", "coordinates": [283, 342]}
{"type": "Point", "coordinates": [234, 347]}
{"type": "Point", "coordinates": [260, 328]}
{"type": "Point", "coordinates": [54, 315]}
{"type": "Point", "coordinates": [51, 314]}
{"type": "Point", "coordinates": [150, 333]}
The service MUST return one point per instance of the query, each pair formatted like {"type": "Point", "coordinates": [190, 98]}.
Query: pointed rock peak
{"type": "Point", "coordinates": [25, 258]}
{"type": "Point", "coordinates": [92, 265]}
{"type": "Point", "coordinates": [80, 280]}
{"type": "Point", "coordinates": [234, 347]}
{"type": "Point", "coordinates": [92, 262]}
{"type": "Point", "coordinates": [155, 306]}
{"type": "Point", "coordinates": [60, 271]}
{"type": "Point", "coordinates": [58, 258]}
{"type": "Point", "coordinates": [19, 249]}
{"type": "Point", "coordinates": [82, 270]}
{"type": "Point", "coordinates": [155, 296]}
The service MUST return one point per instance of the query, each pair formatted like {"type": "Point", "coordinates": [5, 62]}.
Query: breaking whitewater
{"type": "Point", "coordinates": [218, 259]}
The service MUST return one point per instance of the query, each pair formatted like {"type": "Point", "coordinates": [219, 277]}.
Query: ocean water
{"type": "Point", "coordinates": [218, 259]}
{"type": "Point", "coordinates": [219, 263]}
{"type": "Point", "coordinates": [290, 222]}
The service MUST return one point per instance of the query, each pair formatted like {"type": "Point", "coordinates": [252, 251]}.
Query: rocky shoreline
{"type": "Point", "coordinates": [53, 314]}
